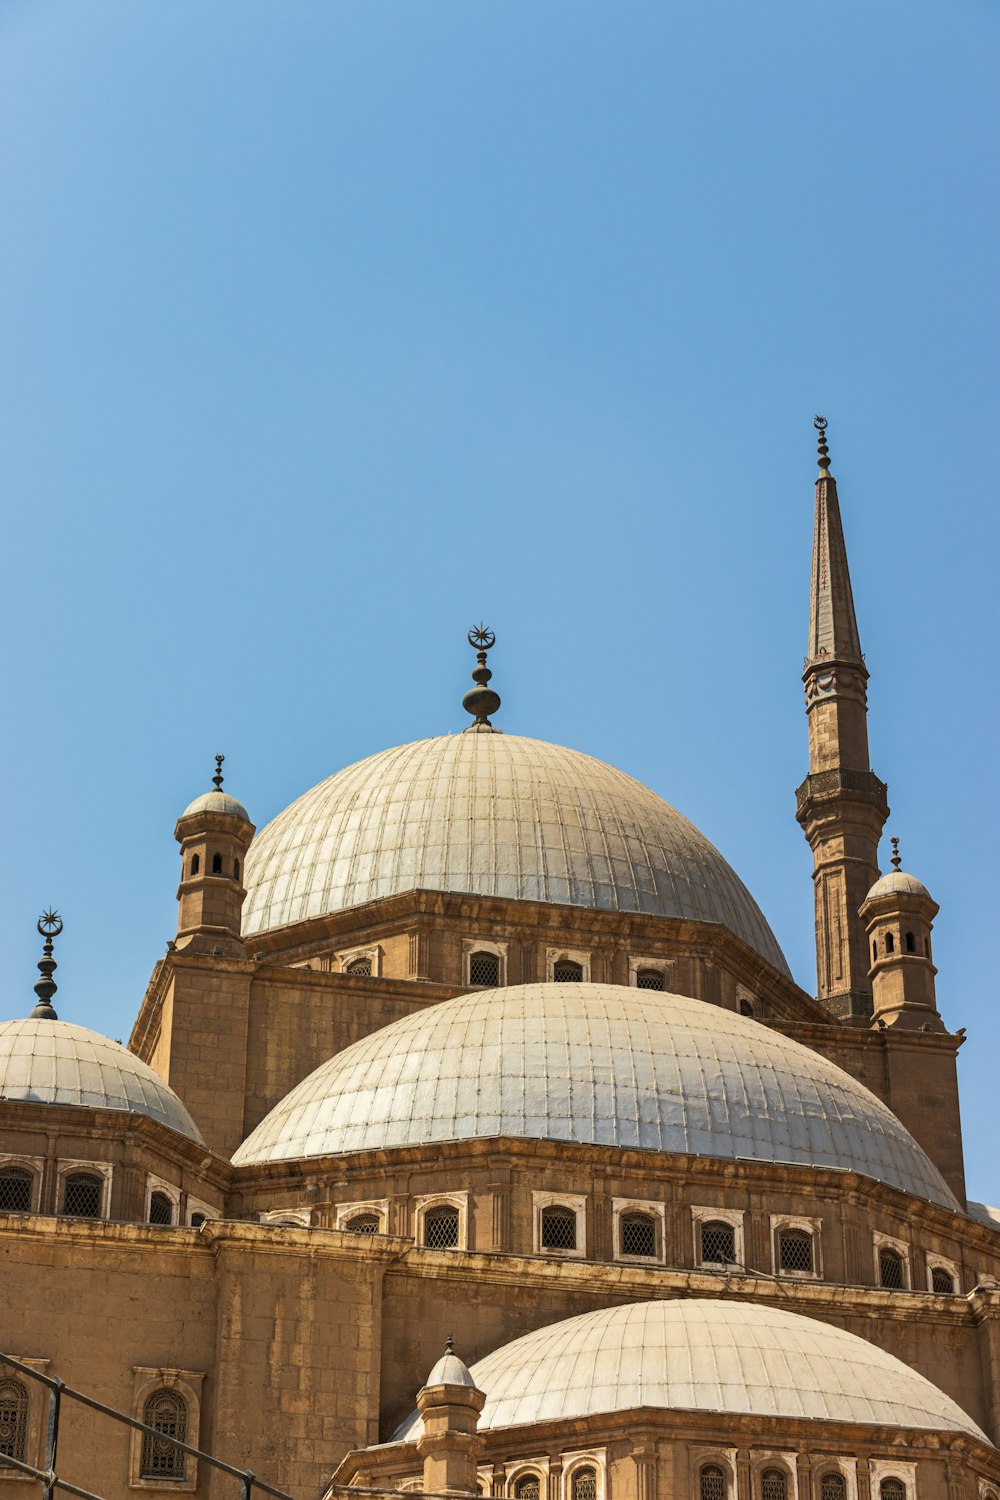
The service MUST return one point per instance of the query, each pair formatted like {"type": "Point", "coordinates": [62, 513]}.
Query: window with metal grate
{"type": "Point", "coordinates": [364, 1224]}
{"type": "Point", "coordinates": [711, 1483]}
{"type": "Point", "coordinates": [82, 1193]}
{"type": "Point", "coordinates": [567, 971]}
{"type": "Point", "coordinates": [833, 1486]}
{"type": "Point", "coordinates": [942, 1281]}
{"type": "Point", "coordinates": [585, 1484]}
{"type": "Point", "coordinates": [638, 1234]}
{"type": "Point", "coordinates": [892, 1489]}
{"type": "Point", "coordinates": [484, 970]}
{"type": "Point", "coordinates": [361, 968]}
{"type": "Point", "coordinates": [650, 979]}
{"type": "Point", "coordinates": [795, 1250]}
{"type": "Point", "coordinates": [15, 1190]}
{"type": "Point", "coordinates": [527, 1487]}
{"type": "Point", "coordinates": [773, 1485]}
{"type": "Point", "coordinates": [441, 1228]}
{"type": "Point", "coordinates": [718, 1243]}
{"type": "Point", "coordinates": [13, 1419]}
{"type": "Point", "coordinates": [890, 1270]}
{"type": "Point", "coordinates": [161, 1210]}
{"type": "Point", "coordinates": [167, 1412]}
{"type": "Point", "coordinates": [558, 1228]}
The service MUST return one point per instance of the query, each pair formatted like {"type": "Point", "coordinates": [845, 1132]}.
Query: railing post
{"type": "Point", "coordinates": [52, 1440]}
{"type": "Point", "coordinates": [248, 1479]}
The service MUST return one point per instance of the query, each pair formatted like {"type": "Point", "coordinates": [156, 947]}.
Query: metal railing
{"type": "Point", "coordinates": [52, 1483]}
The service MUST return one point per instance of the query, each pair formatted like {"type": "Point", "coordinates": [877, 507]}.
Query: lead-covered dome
{"type": "Point", "coordinates": [55, 1062]}
{"type": "Point", "coordinates": [699, 1355]}
{"type": "Point", "coordinates": [493, 815]}
{"type": "Point", "coordinates": [600, 1064]}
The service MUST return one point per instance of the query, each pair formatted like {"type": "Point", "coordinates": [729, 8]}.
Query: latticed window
{"type": "Point", "coordinates": [773, 1485]}
{"type": "Point", "coordinates": [161, 1210]}
{"type": "Point", "coordinates": [892, 1489]}
{"type": "Point", "coordinates": [890, 1269]}
{"type": "Point", "coordinates": [567, 971]}
{"type": "Point", "coordinates": [795, 1250]}
{"type": "Point", "coordinates": [364, 1224]}
{"type": "Point", "coordinates": [13, 1420]}
{"type": "Point", "coordinates": [942, 1281]}
{"type": "Point", "coordinates": [718, 1243]}
{"type": "Point", "coordinates": [650, 979]}
{"type": "Point", "coordinates": [558, 1228]}
{"type": "Point", "coordinates": [15, 1190]}
{"type": "Point", "coordinates": [441, 1228]}
{"type": "Point", "coordinates": [167, 1412]}
{"type": "Point", "coordinates": [638, 1234]}
{"type": "Point", "coordinates": [82, 1193]}
{"type": "Point", "coordinates": [361, 968]}
{"type": "Point", "coordinates": [527, 1487]}
{"type": "Point", "coordinates": [711, 1483]}
{"type": "Point", "coordinates": [833, 1487]}
{"type": "Point", "coordinates": [585, 1484]}
{"type": "Point", "coordinates": [484, 969]}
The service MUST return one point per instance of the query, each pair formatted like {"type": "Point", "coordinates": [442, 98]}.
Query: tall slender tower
{"type": "Point", "coordinates": [842, 805]}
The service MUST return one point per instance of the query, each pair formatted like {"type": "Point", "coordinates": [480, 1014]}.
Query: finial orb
{"type": "Point", "coordinates": [50, 923]}
{"type": "Point", "coordinates": [482, 638]}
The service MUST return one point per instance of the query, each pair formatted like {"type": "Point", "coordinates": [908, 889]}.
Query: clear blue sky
{"type": "Point", "coordinates": [329, 328]}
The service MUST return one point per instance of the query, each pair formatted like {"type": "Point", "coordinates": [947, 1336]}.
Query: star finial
{"type": "Point", "coordinates": [50, 925]}
{"type": "Point", "coordinates": [217, 778]}
{"type": "Point", "coordinates": [481, 701]}
{"type": "Point", "coordinates": [820, 424]}
{"type": "Point", "coordinates": [895, 861]}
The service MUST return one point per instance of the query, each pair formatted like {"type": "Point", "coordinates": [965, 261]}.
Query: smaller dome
{"type": "Point", "coordinates": [216, 802]}
{"type": "Point", "coordinates": [898, 883]}
{"type": "Point", "coordinates": [450, 1370]}
{"type": "Point", "coordinates": [54, 1062]}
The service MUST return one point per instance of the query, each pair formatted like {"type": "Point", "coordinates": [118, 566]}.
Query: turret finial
{"type": "Point", "coordinates": [217, 778]}
{"type": "Point", "coordinates": [481, 701]}
{"type": "Point", "coordinates": [50, 925]}
{"type": "Point", "coordinates": [895, 861]}
{"type": "Point", "coordinates": [820, 424]}
{"type": "Point", "coordinates": [449, 1345]}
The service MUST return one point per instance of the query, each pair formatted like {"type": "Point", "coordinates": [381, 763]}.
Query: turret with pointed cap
{"type": "Point", "coordinates": [842, 805]}
{"type": "Point", "coordinates": [450, 1404]}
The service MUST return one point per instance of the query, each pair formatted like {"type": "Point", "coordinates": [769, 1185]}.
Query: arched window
{"type": "Point", "coordinates": [874, 950]}
{"type": "Point", "coordinates": [942, 1281]}
{"type": "Point", "coordinates": [774, 1485]}
{"type": "Point", "coordinates": [13, 1419]}
{"type": "Point", "coordinates": [364, 1224]}
{"type": "Point", "coordinates": [167, 1412]}
{"type": "Point", "coordinates": [890, 1269]}
{"type": "Point", "coordinates": [441, 1227]}
{"type": "Point", "coordinates": [746, 1009]}
{"type": "Point", "coordinates": [585, 1484]}
{"type": "Point", "coordinates": [15, 1190]}
{"type": "Point", "coordinates": [833, 1486]}
{"type": "Point", "coordinates": [892, 1489]}
{"type": "Point", "coordinates": [216, 864]}
{"type": "Point", "coordinates": [711, 1482]}
{"type": "Point", "coordinates": [638, 1234]}
{"type": "Point", "coordinates": [527, 1487]}
{"type": "Point", "coordinates": [484, 970]}
{"type": "Point", "coordinates": [567, 971]}
{"type": "Point", "coordinates": [911, 945]}
{"type": "Point", "coordinates": [161, 1210]}
{"type": "Point", "coordinates": [558, 1227]}
{"type": "Point", "coordinates": [361, 968]}
{"type": "Point", "coordinates": [195, 863]}
{"type": "Point", "coordinates": [82, 1194]}
{"type": "Point", "coordinates": [197, 1220]}
{"type": "Point", "coordinates": [795, 1250]}
{"type": "Point", "coordinates": [718, 1243]}
{"type": "Point", "coordinates": [650, 979]}
{"type": "Point", "coordinates": [890, 943]}
{"type": "Point", "coordinates": [236, 869]}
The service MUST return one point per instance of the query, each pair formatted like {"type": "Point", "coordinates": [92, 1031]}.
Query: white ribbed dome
{"type": "Point", "coordinates": [493, 815]}
{"type": "Point", "coordinates": [54, 1062]}
{"type": "Point", "coordinates": [217, 802]}
{"type": "Point", "coordinates": [594, 1063]}
{"type": "Point", "coordinates": [699, 1355]}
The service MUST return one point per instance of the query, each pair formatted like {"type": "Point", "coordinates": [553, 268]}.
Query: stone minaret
{"type": "Point", "coordinates": [842, 805]}
{"type": "Point", "coordinates": [449, 1445]}
{"type": "Point", "coordinates": [214, 833]}
{"type": "Point", "coordinates": [899, 913]}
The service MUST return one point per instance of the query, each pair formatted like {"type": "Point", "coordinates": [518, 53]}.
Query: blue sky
{"type": "Point", "coordinates": [327, 329]}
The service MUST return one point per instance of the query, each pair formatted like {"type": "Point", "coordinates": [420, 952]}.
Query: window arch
{"type": "Point", "coordinates": [361, 968]}
{"type": "Point", "coordinates": [528, 1487]}
{"type": "Point", "coordinates": [650, 979]}
{"type": "Point", "coordinates": [942, 1281]}
{"type": "Point", "coordinates": [216, 864]}
{"type": "Point", "coordinates": [637, 1234]}
{"type": "Point", "coordinates": [195, 863]}
{"type": "Point", "coordinates": [795, 1250]}
{"type": "Point", "coordinates": [774, 1485]}
{"type": "Point", "coordinates": [16, 1184]}
{"type": "Point", "coordinates": [718, 1242]}
{"type": "Point", "coordinates": [892, 1489]}
{"type": "Point", "coordinates": [167, 1412]}
{"type": "Point", "coordinates": [236, 869]}
{"type": "Point", "coordinates": [711, 1482]}
{"type": "Point", "coordinates": [82, 1195]}
{"type": "Point", "coordinates": [833, 1486]}
{"type": "Point", "coordinates": [441, 1227]}
{"type": "Point", "coordinates": [558, 1227]}
{"type": "Point", "coordinates": [890, 1270]}
{"type": "Point", "coordinates": [161, 1210]}
{"type": "Point", "coordinates": [364, 1224]}
{"type": "Point", "coordinates": [13, 1419]}
{"type": "Point", "coordinates": [874, 949]}
{"type": "Point", "coordinates": [584, 1483]}
{"type": "Point", "coordinates": [568, 971]}
{"type": "Point", "coordinates": [911, 943]}
{"type": "Point", "coordinates": [484, 969]}
{"type": "Point", "coordinates": [746, 1008]}
{"type": "Point", "coordinates": [890, 943]}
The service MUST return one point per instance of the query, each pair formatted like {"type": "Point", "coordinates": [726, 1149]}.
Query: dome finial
{"type": "Point", "coordinates": [481, 701]}
{"type": "Point", "coordinates": [50, 925]}
{"type": "Point", "coordinates": [821, 424]}
{"type": "Point", "coordinates": [895, 861]}
{"type": "Point", "coordinates": [217, 778]}
{"type": "Point", "coordinates": [449, 1345]}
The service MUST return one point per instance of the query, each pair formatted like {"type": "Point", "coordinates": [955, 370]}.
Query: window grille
{"type": "Point", "coordinates": [890, 1270]}
{"type": "Point", "coordinates": [585, 1484]}
{"type": "Point", "coordinates": [711, 1483]}
{"type": "Point", "coordinates": [567, 971]}
{"type": "Point", "coordinates": [650, 979]}
{"type": "Point", "coordinates": [82, 1193]}
{"type": "Point", "coordinates": [13, 1420]}
{"type": "Point", "coordinates": [746, 1009]}
{"type": "Point", "coordinates": [527, 1488]}
{"type": "Point", "coordinates": [484, 970]}
{"type": "Point", "coordinates": [795, 1250]}
{"type": "Point", "coordinates": [364, 1224]}
{"type": "Point", "coordinates": [167, 1412]}
{"type": "Point", "coordinates": [558, 1228]}
{"type": "Point", "coordinates": [161, 1210]}
{"type": "Point", "coordinates": [892, 1489]}
{"type": "Point", "coordinates": [441, 1228]}
{"type": "Point", "coordinates": [942, 1281]}
{"type": "Point", "coordinates": [15, 1190]}
{"type": "Point", "coordinates": [833, 1487]}
{"type": "Point", "coordinates": [718, 1243]}
{"type": "Point", "coordinates": [638, 1234]}
{"type": "Point", "coordinates": [773, 1485]}
{"type": "Point", "coordinates": [361, 968]}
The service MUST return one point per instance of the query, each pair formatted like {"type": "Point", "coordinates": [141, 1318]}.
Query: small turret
{"type": "Point", "coordinates": [214, 833]}
{"type": "Point", "coordinates": [450, 1404]}
{"type": "Point", "coordinates": [898, 913]}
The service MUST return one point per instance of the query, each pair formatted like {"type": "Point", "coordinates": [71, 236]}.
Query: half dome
{"type": "Point", "coordinates": [700, 1355]}
{"type": "Point", "coordinates": [55, 1062]}
{"type": "Point", "coordinates": [600, 1064]}
{"type": "Point", "coordinates": [493, 815]}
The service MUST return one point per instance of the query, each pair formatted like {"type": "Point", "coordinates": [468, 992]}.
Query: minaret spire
{"type": "Point", "coordinates": [842, 805]}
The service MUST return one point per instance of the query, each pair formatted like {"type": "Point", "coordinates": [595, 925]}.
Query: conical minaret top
{"type": "Point", "coordinates": [833, 626]}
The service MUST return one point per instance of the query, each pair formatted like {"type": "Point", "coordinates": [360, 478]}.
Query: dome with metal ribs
{"type": "Point", "coordinates": [55, 1062]}
{"type": "Point", "coordinates": [594, 1063]}
{"type": "Point", "coordinates": [700, 1355]}
{"type": "Point", "coordinates": [493, 815]}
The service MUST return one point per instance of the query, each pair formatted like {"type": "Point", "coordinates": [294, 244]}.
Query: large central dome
{"type": "Point", "coordinates": [493, 815]}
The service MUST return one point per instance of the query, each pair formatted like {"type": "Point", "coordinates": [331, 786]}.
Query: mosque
{"type": "Point", "coordinates": [473, 1137]}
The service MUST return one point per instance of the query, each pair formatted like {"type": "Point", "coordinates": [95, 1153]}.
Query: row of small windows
{"type": "Point", "coordinates": [165, 1410]}
{"type": "Point", "coordinates": [485, 973]}
{"type": "Point", "coordinates": [909, 942]}
{"type": "Point", "coordinates": [217, 866]}
{"type": "Point", "coordinates": [82, 1195]}
{"type": "Point", "coordinates": [712, 1485]}
{"type": "Point", "coordinates": [583, 1485]}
